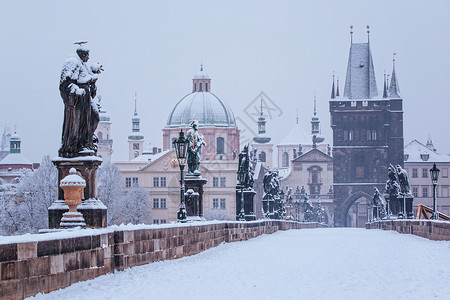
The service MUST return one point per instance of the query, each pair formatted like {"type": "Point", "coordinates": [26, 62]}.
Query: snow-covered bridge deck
{"type": "Point", "coordinates": [335, 263]}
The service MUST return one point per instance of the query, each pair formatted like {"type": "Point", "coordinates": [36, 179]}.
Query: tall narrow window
{"type": "Point", "coordinates": [200, 87]}
{"type": "Point", "coordinates": [350, 135]}
{"type": "Point", "coordinates": [285, 160]}
{"type": "Point", "coordinates": [220, 145]}
{"type": "Point", "coordinates": [195, 86]}
{"type": "Point", "coordinates": [206, 86]}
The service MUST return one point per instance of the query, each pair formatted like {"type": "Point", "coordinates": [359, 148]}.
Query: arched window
{"type": "Point", "coordinates": [262, 156]}
{"type": "Point", "coordinates": [136, 154]}
{"type": "Point", "coordinates": [100, 135]}
{"type": "Point", "coordinates": [285, 160]}
{"type": "Point", "coordinates": [220, 145]}
{"type": "Point", "coordinates": [200, 87]}
{"type": "Point", "coordinates": [206, 86]}
{"type": "Point", "coordinates": [195, 86]}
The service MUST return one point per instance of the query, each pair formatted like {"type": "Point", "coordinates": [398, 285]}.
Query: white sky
{"type": "Point", "coordinates": [288, 49]}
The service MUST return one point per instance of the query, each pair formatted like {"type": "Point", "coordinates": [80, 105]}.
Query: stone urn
{"type": "Point", "coordinates": [73, 186]}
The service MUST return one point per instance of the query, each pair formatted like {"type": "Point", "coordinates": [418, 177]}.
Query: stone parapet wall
{"type": "Point", "coordinates": [433, 230]}
{"type": "Point", "coordinates": [27, 268]}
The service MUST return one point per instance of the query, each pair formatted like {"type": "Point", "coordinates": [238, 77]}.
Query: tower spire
{"type": "Point", "coordinates": [337, 87]}
{"type": "Point", "coordinates": [296, 117]}
{"type": "Point", "coordinates": [385, 86]}
{"type": "Point", "coordinates": [351, 34]}
{"type": "Point", "coordinates": [261, 109]}
{"type": "Point", "coordinates": [333, 95]}
{"type": "Point", "coordinates": [135, 104]}
{"type": "Point", "coordinates": [315, 112]}
{"type": "Point", "coordinates": [394, 88]}
{"type": "Point", "coordinates": [368, 33]}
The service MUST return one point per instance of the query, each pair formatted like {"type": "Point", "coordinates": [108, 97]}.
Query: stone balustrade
{"type": "Point", "coordinates": [45, 265]}
{"type": "Point", "coordinates": [433, 230]}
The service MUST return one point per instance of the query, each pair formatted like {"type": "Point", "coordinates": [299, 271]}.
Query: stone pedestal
{"type": "Point", "coordinates": [249, 195]}
{"type": "Point", "coordinates": [93, 210]}
{"type": "Point", "coordinates": [194, 206]}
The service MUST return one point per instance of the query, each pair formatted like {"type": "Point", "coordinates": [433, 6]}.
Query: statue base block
{"type": "Point", "coordinates": [249, 194]}
{"type": "Point", "coordinates": [93, 210]}
{"type": "Point", "coordinates": [194, 206]}
{"type": "Point", "coordinates": [72, 220]}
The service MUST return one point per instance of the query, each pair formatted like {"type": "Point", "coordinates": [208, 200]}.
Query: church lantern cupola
{"type": "Point", "coordinates": [201, 82]}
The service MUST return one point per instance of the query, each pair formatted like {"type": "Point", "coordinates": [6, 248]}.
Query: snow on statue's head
{"type": "Point", "coordinates": [82, 51]}
{"type": "Point", "coordinates": [194, 124]}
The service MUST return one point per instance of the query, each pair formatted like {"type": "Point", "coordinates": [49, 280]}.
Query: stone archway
{"type": "Point", "coordinates": [341, 212]}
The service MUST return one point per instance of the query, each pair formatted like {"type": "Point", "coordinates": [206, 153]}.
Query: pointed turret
{"type": "Point", "coordinates": [333, 95]}
{"type": "Point", "coordinates": [360, 82]}
{"type": "Point", "coordinates": [394, 89]}
{"type": "Point", "coordinates": [337, 88]}
{"type": "Point", "coordinates": [385, 92]}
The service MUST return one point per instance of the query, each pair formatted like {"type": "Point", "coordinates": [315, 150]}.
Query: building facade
{"type": "Point", "coordinates": [103, 133]}
{"type": "Point", "coordinates": [159, 173]}
{"type": "Point", "coordinates": [367, 136]}
{"type": "Point", "coordinates": [419, 159]}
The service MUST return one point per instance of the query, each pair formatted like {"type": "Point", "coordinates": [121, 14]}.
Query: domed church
{"type": "Point", "coordinates": [215, 118]}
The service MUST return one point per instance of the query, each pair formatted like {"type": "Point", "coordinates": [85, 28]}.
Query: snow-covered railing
{"type": "Point", "coordinates": [430, 229]}
{"type": "Point", "coordinates": [30, 264]}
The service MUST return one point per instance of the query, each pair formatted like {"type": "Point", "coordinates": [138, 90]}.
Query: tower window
{"type": "Point", "coordinates": [206, 86]}
{"type": "Point", "coordinates": [195, 86]}
{"type": "Point", "coordinates": [285, 160]}
{"type": "Point", "coordinates": [100, 135]}
{"type": "Point", "coordinates": [200, 87]}
{"type": "Point", "coordinates": [220, 145]}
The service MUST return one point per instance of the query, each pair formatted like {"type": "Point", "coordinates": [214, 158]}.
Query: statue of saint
{"type": "Point", "coordinates": [403, 180]}
{"type": "Point", "coordinates": [81, 117]}
{"type": "Point", "coordinates": [195, 143]}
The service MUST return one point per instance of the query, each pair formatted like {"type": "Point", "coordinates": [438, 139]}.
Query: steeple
{"type": "Point", "coordinates": [261, 138]}
{"type": "Point", "coordinates": [333, 95]}
{"type": "Point", "coordinates": [394, 88]}
{"type": "Point", "coordinates": [360, 82]}
{"type": "Point", "coordinates": [135, 139]}
{"type": "Point", "coordinates": [315, 125]}
{"type": "Point", "coordinates": [385, 86]}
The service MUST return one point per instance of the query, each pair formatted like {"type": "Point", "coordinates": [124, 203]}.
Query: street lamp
{"type": "Point", "coordinates": [181, 146]}
{"type": "Point", "coordinates": [434, 172]}
{"type": "Point", "coordinates": [241, 179]}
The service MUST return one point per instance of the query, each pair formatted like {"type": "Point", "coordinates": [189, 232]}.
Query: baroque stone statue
{"type": "Point", "coordinates": [246, 168]}
{"type": "Point", "coordinates": [78, 89]}
{"type": "Point", "coordinates": [195, 143]}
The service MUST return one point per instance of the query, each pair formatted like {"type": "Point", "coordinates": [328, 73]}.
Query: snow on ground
{"type": "Point", "coordinates": [331, 263]}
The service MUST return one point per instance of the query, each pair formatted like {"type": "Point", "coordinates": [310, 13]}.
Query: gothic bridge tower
{"type": "Point", "coordinates": [367, 133]}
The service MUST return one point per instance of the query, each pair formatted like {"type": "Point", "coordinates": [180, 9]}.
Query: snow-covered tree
{"type": "Point", "coordinates": [111, 191]}
{"type": "Point", "coordinates": [131, 206]}
{"type": "Point", "coordinates": [217, 214]}
{"type": "Point", "coordinates": [137, 206]}
{"type": "Point", "coordinates": [24, 210]}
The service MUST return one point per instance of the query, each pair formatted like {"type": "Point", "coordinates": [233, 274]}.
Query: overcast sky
{"type": "Point", "coordinates": [288, 49]}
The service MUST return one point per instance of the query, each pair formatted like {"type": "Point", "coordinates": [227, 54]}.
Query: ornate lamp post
{"type": "Point", "coordinates": [434, 172]}
{"type": "Point", "coordinates": [181, 145]}
{"type": "Point", "coordinates": [241, 179]}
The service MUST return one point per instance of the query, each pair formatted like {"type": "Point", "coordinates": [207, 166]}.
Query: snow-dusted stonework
{"type": "Point", "coordinates": [46, 262]}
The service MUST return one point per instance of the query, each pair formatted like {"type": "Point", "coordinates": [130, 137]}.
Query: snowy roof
{"type": "Point", "coordinates": [201, 75]}
{"type": "Point", "coordinates": [418, 152]}
{"type": "Point", "coordinates": [360, 80]}
{"type": "Point", "coordinates": [15, 159]}
{"type": "Point", "coordinates": [15, 137]}
{"type": "Point", "coordinates": [205, 107]}
{"type": "Point", "coordinates": [147, 157]}
{"type": "Point", "coordinates": [297, 135]}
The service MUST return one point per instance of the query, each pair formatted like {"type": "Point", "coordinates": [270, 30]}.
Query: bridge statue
{"type": "Point", "coordinates": [307, 209]}
{"type": "Point", "coordinates": [378, 205]}
{"type": "Point", "coordinates": [403, 180]}
{"type": "Point", "coordinates": [195, 143]}
{"type": "Point", "coordinates": [78, 89]}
